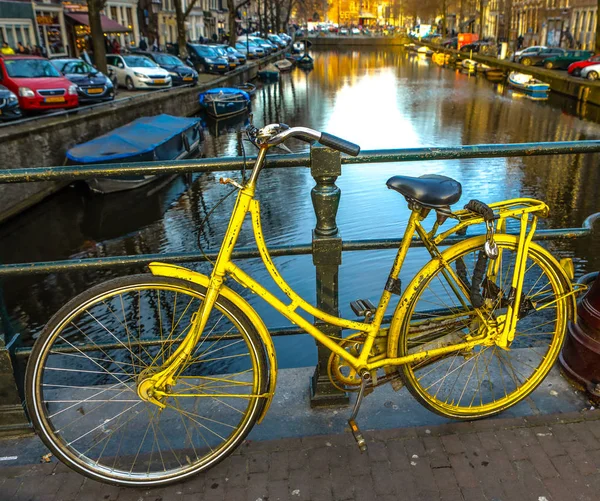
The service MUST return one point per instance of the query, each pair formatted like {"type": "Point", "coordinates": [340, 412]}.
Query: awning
{"type": "Point", "coordinates": [367, 15]}
{"type": "Point", "coordinates": [108, 25]}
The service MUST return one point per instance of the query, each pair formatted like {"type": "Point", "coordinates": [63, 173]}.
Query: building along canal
{"type": "Point", "coordinates": [378, 98]}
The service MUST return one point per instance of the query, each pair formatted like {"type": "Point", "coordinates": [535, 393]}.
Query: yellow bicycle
{"type": "Point", "coordinates": [149, 379]}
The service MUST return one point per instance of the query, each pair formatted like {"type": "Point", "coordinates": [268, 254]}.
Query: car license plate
{"type": "Point", "coordinates": [95, 91]}
{"type": "Point", "coordinates": [187, 79]}
{"type": "Point", "coordinates": [159, 81]}
{"type": "Point", "coordinates": [54, 100]}
{"type": "Point", "coordinates": [221, 66]}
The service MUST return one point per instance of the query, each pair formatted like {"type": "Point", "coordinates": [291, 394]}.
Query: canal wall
{"type": "Point", "coordinates": [585, 91]}
{"type": "Point", "coordinates": [44, 141]}
{"type": "Point", "coordinates": [357, 40]}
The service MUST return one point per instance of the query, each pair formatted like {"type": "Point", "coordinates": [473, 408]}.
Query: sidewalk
{"type": "Point", "coordinates": [538, 458]}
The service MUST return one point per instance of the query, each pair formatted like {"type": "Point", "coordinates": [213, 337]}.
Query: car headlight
{"type": "Point", "coordinates": [73, 90]}
{"type": "Point", "coordinates": [108, 83]}
{"type": "Point", "coordinates": [209, 61]}
{"type": "Point", "coordinates": [12, 98]}
{"type": "Point", "coordinates": [173, 74]}
{"type": "Point", "coordinates": [139, 75]}
{"type": "Point", "coordinates": [26, 92]}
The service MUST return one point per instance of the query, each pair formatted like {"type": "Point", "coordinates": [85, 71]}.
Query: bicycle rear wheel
{"type": "Point", "coordinates": [487, 379]}
{"type": "Point", "coordinates": [85, 368]}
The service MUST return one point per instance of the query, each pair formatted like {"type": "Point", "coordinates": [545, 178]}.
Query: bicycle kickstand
{"type": "Point", "coordinates": [360, 441]}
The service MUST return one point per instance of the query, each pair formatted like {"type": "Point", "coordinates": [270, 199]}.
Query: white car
{"type": "Point", "coordinates": [355, 31]}
{"type": "Point", "coordinates": [137, 72]}
{"type": "Point", "coordinates": [523, 52]}
{"type": "Point", "coordinates": [591, 72]}
{"type": "Point", "coordinates": [343, 31]}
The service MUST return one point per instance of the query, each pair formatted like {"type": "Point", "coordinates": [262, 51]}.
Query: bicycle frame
{"type": "Point", "coordinates": [245, 203]}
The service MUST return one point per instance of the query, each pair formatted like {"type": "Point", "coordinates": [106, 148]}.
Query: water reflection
{"type": "Point", "coordinates": [379, 99]}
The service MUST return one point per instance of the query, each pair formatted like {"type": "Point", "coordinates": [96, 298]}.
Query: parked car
{"type": "Point", "coordinates": [480, 46]}
{"type": "Point", "coordinates": [286, 37]}
{"type": "Point", "coordinates": [206, 59]}
{"type": "Point", "coordinates": [343, 31]}
{"type": "Point", "coordinates": [232, 61]}
{"type": "Point", "coordinates": [527, 50]}
{"type": "Point", "coordinates": [138, 72]}
{"type": "Point", "coordinates": [267, 47]}
{"type": "Point", "coordinates": [231, 51]}
{"type": "Point", "coordinates": [575, 68]}
{"type": "Point", "coordinates": [450, 43]}
{"type": "Point", "coordinates": [92, 85]}
{"type": "Point", "coordinates": [277, 41]}
{"type": "Point", "coordinates": [591, 72]}
{"type": "Point", "coordinates": [537, 58]}
{"type": "Point", "coordinates": [180, 73]}
{"type": "Point", "coordinates": [355, 31]}
{"type": "Point", "coordinates": [250, 50]}
{"type": "Point", "coordinates": [565, 60]}
{"type": "Point", "coordinates": [9, 105]}
{"type": "Point", "coordinates": [37, 84]}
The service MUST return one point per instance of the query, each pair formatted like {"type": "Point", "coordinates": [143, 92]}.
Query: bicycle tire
{"type": "Point", "coordinates": [481, 395]}
{"type": "Point", "coordinates": [195, 428]}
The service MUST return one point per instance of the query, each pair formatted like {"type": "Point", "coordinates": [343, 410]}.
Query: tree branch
{"type": "Point", "coordinates": [189, 8]}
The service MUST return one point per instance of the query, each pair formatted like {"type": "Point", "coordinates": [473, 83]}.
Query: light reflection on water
{"type": "Point", "coordinates": [379, 99]}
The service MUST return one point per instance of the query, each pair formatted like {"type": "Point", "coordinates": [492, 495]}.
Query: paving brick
{"type": "Point", "coordinates": [278, 490]}
{"type": "Point", "coordinates": [360, 464]}
{"type": "Point", "coordinates": [398, 458]}
{"type": "Point", "coordinates": [342, 484]}
{"type": "Point", "coordinates": [377, 451]}
{"type": "Point", "coordinates": [405, 484]}
{"type": "Point", "coordinates": [581, 431]}
{"type": "Point", "coordinates": [451, 495]}
{"type": "Point", "coordinates": [320, 489]}
{"type": "Point", "coordinates": [488, 440]}
{"type": "Point", "coordinates": [298, 459]}
{"type": "Point", "coordinates": [258, 462]}
{"type": "Point", "coordinates": [414, 446]}
{"type": "Point", "coordinates": [318, 461]}
{"type": "Point", "coordinates": [532, 484]}
{"type": "Point", "coordinates": [444, 479]}
{"type": "Point", "coordinates": [278, 465]}
{"type": "Point", "coordinates": [382, 478]}
{"type": "Point", "coordinates": [237, 470]}
{"type": "Point", "coordinates": [70, 484]}
{"type": "Point", "coordinates": [299, 482]}
{"type": "Point", "coordinates": [472, 493]}
{"type": "Point", "coordinates": [257, 487]}
{"type": "Point", "coordinates": [452, 444]}
{"type": "Point", "coordinates": [549, 442]}
{"type": "Point", "coordinates": [463, 471]}
{"type": "Point", "coordinates": [594, 428]}
{"type": "Point", "coordinates": [511, 445]}
{"type": "Point", "coordinates": [435, 452]}
{"type": "Point", "coordinates": [541, 461]}
{"type": "Point", "coordinates": [364, 490]}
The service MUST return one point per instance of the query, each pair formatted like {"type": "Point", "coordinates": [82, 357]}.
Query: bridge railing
{"type": "Point", "coordinates": [326, 246]}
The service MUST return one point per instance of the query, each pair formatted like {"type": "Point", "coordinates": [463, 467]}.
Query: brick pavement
{"type": "Point", "coordinates": [539, 458]}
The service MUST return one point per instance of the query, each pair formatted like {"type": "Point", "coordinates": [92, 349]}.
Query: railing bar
{"type": "Point", "coordinates": [298, 160]}
{"type": "Point", "coordinates": [247, 253]}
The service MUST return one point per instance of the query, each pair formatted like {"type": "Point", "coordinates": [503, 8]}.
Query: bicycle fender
{"type": "Point", "coordinates": [401, 309]}
{"type": "Point", "coordinates": [174, 271]}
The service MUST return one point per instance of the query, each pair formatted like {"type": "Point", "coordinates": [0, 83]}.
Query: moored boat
{"type": "Point", "coordinates": [159, 138]}
{"type": "Point", "coordinates": [494, 74]}
{"type": "Point", "coordinates": [305, 61]}
{"type": "Point", "coordinates": [425, 50]}
{"type": "Point", "coordinates": [481, 67]}
{"type": "Point", "coordinates": [224, 102]}
{"type": "Point", "coordinates": [469, 64]}
{"type": "Point", "coordinates": [528, 84]}
{"type": "Point", "coordinates": [269, 73]}
{"type": "Point", "coordinates": [283, 65]}
{"type": "Point", "coordinates": [248, 88]}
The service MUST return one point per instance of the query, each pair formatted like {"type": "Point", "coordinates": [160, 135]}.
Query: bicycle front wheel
{"type": "Point", "coordinates": [486, 379]}
{"type": "Point", "coordinates": [83, 376]}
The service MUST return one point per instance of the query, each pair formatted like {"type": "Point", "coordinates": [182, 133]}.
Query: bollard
{"type": "Point", "coordinates": [325, 167]}
{"type": "Point", "coordinates": [13, 421]}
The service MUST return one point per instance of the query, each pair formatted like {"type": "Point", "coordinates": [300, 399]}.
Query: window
{"type": "Point", "coordinates": [590, 20]}
{"type": "Point", "coordinates": [30, 68]}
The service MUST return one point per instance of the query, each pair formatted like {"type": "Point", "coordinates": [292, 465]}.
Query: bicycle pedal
{"type": "Point", "coordinates": [363, 307]}
{"type": "Point", "coordinates": [356, 433]}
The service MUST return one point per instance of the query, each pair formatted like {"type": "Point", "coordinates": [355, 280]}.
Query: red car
{"type": "Point", "coordinates": [575, 68]}
{"type": "Point", "coordinates": [38, 85]}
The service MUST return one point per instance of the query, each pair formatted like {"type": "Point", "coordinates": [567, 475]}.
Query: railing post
{"type": "Point", "coordinates": [13, 420]}
{"type": "Point", "coordinates": [325, 167]}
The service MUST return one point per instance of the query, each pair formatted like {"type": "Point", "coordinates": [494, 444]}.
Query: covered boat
{"type": "Point", "coordinates": [283, 65]}
{"type": "Point", "coordinates": [159, 138]}
{"type": "Point", "coordinates": [425, 50]}
{"type": "Point", "coordinates": [528, 84]}
{"type": "Point", "coordinates": [469, 64]}
{"type": "Point", "coordinates": [269, 73]}
{"type": "Point", "coordinates": [224, 102]}
{"type": "Point", "coordinates": [305, 61]}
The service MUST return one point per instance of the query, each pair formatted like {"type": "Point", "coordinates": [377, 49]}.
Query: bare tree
{"type": "Point", "coordinates": [180, 16]}
{"type": "Point", "coordinates": [233, 6]}
{"type": "Point", "coordinates": [98, 46]}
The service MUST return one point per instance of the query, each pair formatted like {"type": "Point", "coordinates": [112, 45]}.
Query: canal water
{"type": "Point", "coordinates": [376, 98]}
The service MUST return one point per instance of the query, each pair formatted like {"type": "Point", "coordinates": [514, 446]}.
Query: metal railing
{"type": "Point", "coordinates": [326, 246]}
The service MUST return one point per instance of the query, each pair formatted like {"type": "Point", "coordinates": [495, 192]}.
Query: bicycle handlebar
{"type": "Point", "coordinates": [306, 134]}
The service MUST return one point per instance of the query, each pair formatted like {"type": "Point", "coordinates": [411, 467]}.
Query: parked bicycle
{"type": "Point", "coordinates": [148, 379]}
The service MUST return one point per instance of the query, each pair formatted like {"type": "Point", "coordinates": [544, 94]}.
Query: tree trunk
{"type": "Point", "coordinates": [597, 30]}
{"type": "Point", "coordinates": [265, 17]}
{"type": "Point", "coordinates": [98, 45]}
{"type": "Point", "coordinates": [181, 35]}
{"type": "Point", "coordinates": [444, 17]}
{"type": "Point", "coordinates": [480, 19]}
{"type": "Point", "coordinates": [231, 14]}
{"type": "Point", "coordinates": [278, 17]}
{"type": "Point", "coordinates": [286, 21]}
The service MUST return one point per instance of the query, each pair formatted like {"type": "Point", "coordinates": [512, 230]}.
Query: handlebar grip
{"type": "Point", "coordinates": [339, 144]}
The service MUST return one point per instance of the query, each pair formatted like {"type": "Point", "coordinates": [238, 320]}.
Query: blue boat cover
{"type": "Point", "coordinates": [225, 90]}
{"type": "Point", "coordinates": [140, 136]}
